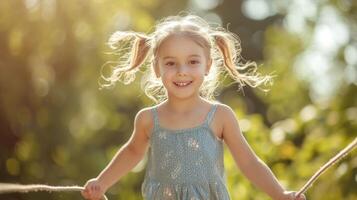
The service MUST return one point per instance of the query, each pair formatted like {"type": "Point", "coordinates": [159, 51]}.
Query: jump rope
{"type": "Point", "coordinates": [19, 188]}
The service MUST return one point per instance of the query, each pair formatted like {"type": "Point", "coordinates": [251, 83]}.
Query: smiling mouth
{"type": "Point", "coordinates": [182, 84]}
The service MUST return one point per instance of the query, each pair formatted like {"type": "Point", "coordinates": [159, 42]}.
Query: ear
{"type": "Point", "coordinates": [209, 64]}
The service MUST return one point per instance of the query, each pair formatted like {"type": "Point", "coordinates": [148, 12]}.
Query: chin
{"type": "Point", "coordinates": [182, 95]}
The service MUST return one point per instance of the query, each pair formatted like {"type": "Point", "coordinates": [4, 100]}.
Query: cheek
{"type": "Point", "coordinates": [198, 71]}
{"type": "Point", "coordinates": [167, 76]}
{"type": "Point", "coordinates": [168, 72]}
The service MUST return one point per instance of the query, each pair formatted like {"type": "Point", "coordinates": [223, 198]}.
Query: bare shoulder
{"type": "Point", "coordinates": [144, 116]}
{"type": "Point", "coordinates": [220, 118]}
{"type": "Point", "coordinates": [227, 120]}
{"type": "Point", "coordinates": [225, 112]}
{"type": "Point", "coordinates": [139, 140]}
{"type": "Point", "coordinates": [144, 120]}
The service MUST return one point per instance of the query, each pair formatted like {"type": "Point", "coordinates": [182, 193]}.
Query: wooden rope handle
{"type": "Point", "coordinates": [332, 161]}
{"type": "Point", "coordinates": [10, 187]}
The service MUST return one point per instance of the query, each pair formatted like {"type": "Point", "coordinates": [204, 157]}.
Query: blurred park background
{"type": "Point", "coordinates": [58, 128]}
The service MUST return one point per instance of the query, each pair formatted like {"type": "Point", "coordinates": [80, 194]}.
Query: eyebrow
{"type": "Point", "coordinates": [192, 55]}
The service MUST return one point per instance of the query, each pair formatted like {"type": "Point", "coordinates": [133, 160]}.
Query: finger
{"type": "Point", "coordinates": [99, 196]}
{"type": "Point", "coordinates": [292, 196]}
{"type": "Point", "coordinates": [92, 188]}
{"type": "Point", "coordinates": [84, 196]}
{"type": "Point", "coordinates": [301, 197]}
{"type": "Point", "coordinates": [96, 195]}
{"type": "Point", "coordinates": [85, 193]}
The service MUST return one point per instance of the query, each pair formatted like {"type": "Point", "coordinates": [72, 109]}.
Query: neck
{"type": "Point", "coordinates": [183, 105]}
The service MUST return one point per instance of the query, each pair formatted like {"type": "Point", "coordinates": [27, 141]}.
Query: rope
{"type": "Point", "coordinates": [332, 161]}
{"type": "Point", "coordinates": [9, 188]}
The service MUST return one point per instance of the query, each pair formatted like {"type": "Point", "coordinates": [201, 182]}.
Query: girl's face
{"type": "Point", "coordinates": [182, 65]}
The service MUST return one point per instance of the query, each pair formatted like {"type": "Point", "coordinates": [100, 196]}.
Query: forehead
{"type": "Point", "coordinates": [179, 45]}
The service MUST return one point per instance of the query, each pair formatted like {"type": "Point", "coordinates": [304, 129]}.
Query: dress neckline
{"type": "Point", "coordinates": [182, 129]}
{"type": "Point", "coordinates": [202, 124]}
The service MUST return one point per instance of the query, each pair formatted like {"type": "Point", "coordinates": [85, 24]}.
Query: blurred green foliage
{"type": "Point", "coordinates": [57, 128]}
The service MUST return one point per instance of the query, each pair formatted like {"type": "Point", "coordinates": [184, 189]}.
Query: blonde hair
{"type": "Point", "coordinates": [221, 45]}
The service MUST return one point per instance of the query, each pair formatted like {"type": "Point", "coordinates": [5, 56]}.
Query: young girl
{"type": "Point", "coordinates": [185, 132]}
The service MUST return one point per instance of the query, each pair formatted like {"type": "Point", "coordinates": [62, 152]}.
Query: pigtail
{"type": "Point", "coordinates": [133, 49]}
{"type": "Point", "coordinates": [139, 52]}
{"type": "Point", "coordinates": [229, 46]}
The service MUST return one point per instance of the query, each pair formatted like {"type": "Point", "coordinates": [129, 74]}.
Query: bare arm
{"type": "Point", "coordinates": [248, 162]}
{"type": "Point", "coordinates": [128, 155]}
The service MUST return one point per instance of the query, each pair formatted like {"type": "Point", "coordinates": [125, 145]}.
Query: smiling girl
{"type": "Point", "coordinates": [185, 131]}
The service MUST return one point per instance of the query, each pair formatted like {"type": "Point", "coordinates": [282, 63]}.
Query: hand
{"type": "Point", "coordinates": [291, 195]}
{"type": "Point", "coordinates": [93, 190]}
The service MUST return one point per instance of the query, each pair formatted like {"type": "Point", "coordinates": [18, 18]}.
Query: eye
{"type": "Point", "coordinates": [194, 62]}
{"type": "Point", "coordinates": [170, 63]}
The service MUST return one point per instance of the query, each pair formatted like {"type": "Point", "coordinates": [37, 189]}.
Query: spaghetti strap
{"type": "Point", "coordinates": [210, 114]}
{"type": "Point", "coordinates": [156, 118]}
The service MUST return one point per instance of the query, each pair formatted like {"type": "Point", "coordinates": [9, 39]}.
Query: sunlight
{"type": "Point", "coordinates": [277, 135]}
{"type": "Point", "coordinates": [32, 5]}
{"type": "Point", "coordinates": [297, 15]}
{"type": "Point", "coordinates": [317, 64]}
{"type": "Point", "coordinates": [205, 4]}
{"type": "Point", "coordinates": [308, 113]}
{"type": "Point", "coordinates": [244, 125]}
{"type": "Point", "coordinates": [256, 9]}
{"type": "Point", "coordinates": [213, 17]}
{"type": "Point", "coordinates": [48, 10]}
{"type": "Point", "coordinates": [121, 20]}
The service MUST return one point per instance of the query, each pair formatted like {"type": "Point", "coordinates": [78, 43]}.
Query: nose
{"type": "Point", "coordinates": [182, 70]}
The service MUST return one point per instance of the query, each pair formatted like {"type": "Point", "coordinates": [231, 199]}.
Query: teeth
{"type": "Point", "coordinates": [182, 83]}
